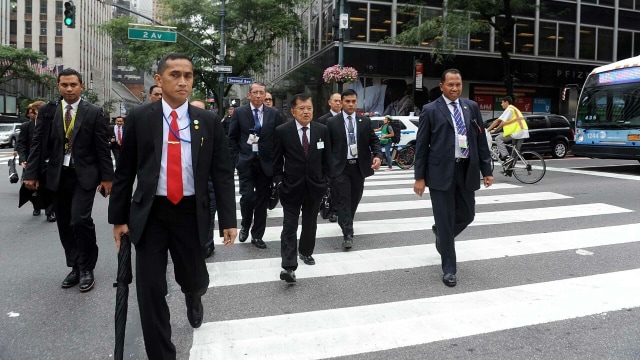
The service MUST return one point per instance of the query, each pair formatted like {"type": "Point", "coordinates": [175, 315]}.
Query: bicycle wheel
{"type": "Point", "coordinates": [405, 157]}
{"type": "Point", "coordinates": [531, 170]}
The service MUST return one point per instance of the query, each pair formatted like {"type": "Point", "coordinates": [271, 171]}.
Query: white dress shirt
{"type": "Point", "coordinates": [184, 124]}
{"type": "Point", "coordinates": [458, 152]}
{"type": "Point", "coordinates": [355, 132]}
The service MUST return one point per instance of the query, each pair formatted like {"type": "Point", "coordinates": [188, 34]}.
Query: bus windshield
{"type": "Point", "coordinates": [609, 107]}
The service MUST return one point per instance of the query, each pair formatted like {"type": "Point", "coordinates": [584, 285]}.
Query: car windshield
{"type": "Point", "coordinates": [5, 127]}
{"type": "Point", "coordinates": [610, 107]}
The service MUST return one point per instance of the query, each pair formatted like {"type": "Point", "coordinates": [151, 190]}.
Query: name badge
{"type": "Point", "coordinates": [67, 160]}
{"type": "Point", "coordinates": [462, 141]}
{"type": "Point", "coordinates": [353, 148]}
{"type": "Point", "coordinates": [253, 139]}
{"type": "Point", "coordinates": [254, 147]}
{"type": "Point", "coordinates": [320, 145]}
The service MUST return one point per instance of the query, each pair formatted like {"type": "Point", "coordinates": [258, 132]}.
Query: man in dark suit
{"type": "Point", "coordinates": [451, 151]}
{"type": "Point", "coordinates": [73, 141]}
{"type": "Point", "coordinates": [23, 146]}
{"type": "Point", "coordinates": [352, 143]}
{"type": "Point", "coordinates": [335, 106]}
{"type": "Point", "coordinates": [301, 161]}
{"type": "Point", "coordinates": [116, 133]}
{"type": "Point", "coordinates": [251, 145]}
{"type": "Point", "coordinates": [172, 148]}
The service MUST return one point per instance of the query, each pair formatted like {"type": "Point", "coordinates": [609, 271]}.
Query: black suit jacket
{"type": "Point", "coordinates": [241, 122]}
{"type": "Point", "coordinates": [435, 145]}
{"type": "Point", "coordinates": [301, 174]}
{"type": "Point", "coordinates": [90, 151]}
{"type": "Point", "coordinates": [141, 156]}
{"type": "Point", "coordinates": [23, 146]}
{"type": "Point", "coordinates": [323, 119]}
{"type": "Point", "coordinates": [366, 139]}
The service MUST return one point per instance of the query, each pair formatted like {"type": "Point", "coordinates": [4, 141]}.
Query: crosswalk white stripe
{"type": "Point", "coordinates": [596, 173]}
{"type": "Point", "coordinates": [416, 204]}
{"type": "Point", "coordinates": [486, 218]}
{"type": "Point", "coordinates": [408, 190]}
{"type": "Point", "coordinates": [405, 257]}
{"type": "Point", "coordinates": [362, 329]}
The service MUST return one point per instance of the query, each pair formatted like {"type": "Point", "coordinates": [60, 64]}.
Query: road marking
{"type": "Point", "coordinates": [406, 257]}
{"type": "Point", "coordinates": [363, 329]}
{"type": "Point", "coordinates": [595, 173]}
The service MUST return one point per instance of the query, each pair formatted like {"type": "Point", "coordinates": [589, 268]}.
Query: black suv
{"type": "Point", "coordinates": [548, 134]}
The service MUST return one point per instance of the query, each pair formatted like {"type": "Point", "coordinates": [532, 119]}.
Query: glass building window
{"type": "Point", "coordinates": [605, 45]}
{"type": "Point", "coordinates": [13, 27]}
{"type": "Point", "coordinates": [597, 15]}
{"type": "Point", "coordinates": [587, 43]}
{"type": "Point", "coordinates": [525, 35]}
{"type": "Point", "coordinates": [379, 22]}
{"type": "Point", "coordinates": [627, 4]}
{"type": "Point", "coordinates": [566, 40]}
{"type": "Point", "coordinates": [58, 8]}
{"type": "Point", "coordinates": [58, 29]}
{"type": "Point", "coordinates": [43, 28]}
{"type": "Point", "coordinates": [43, 46]}
{"type": "Point", "coordinates": [27, 27]}
{"type": "Point", "coordinates": [427, 14]}
{"type": "Point", "coordinates": [625, 44]}
{"type": "Point", "coordinates": [636, 43]}
{"type": "Point", "coordinates": [627, 20]}
{"type": "Point", "coordinates": [547, 39]}
{"type": "Point", "coordinates": [14, 6]}
{"type": "Point", "coordinates": [28, 7]}
{"type": "Point", "coordinates": [556, 10]}
{"type": "Point", "coordinates": [358, 21]}
{"type": "Point", "coordinates": [43, 7]}
{"type": "Point", "coordinates": [28, 44]}
{"type": "Point", "coordinates": [58, 50]}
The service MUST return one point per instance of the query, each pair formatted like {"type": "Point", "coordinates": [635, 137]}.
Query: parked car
{"type": "Point", "coordinates": [408, 126]}
{"type": "Point", "coordinates": [9, 134]}
{"type": "Point", "coordinates": [548, 134]}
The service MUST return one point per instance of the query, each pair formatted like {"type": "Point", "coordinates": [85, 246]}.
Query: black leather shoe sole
{"type": "Point", "coordinates": [259, 243]}
{"type": "Point", "coordinates": [288, 275]}
{"type": "Point", "coordinates": [309, 260]}
{"type": "Point", "coordinates": [86, 281]}
{"type": "Point", "coordinates": [449, 280]}
{"type": "Point", "coordinates": [71, 280]}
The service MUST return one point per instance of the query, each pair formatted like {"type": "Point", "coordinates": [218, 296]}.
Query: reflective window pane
{"type": "Point", "coordinates": [525, 34]}
{"type": "Point", "coordinates": [567, 41]}
{"type": "Point", "coordinates": [547, 39]}
{"type": "Point", "coordinates": [587, 43]}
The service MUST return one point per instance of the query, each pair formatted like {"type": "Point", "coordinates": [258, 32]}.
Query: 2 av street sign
{"type": "Point", "coordinates": [152, 35]}
{"type": "Point", "coordinates": [239, 80]}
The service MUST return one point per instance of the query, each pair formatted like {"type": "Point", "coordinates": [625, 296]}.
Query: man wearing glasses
{"type": "Point", "coordinates": [268, 100]}
{"type": "Point", "coordinates": [155, 93]}
{"type": "Point", "coordinates": [251, 133]}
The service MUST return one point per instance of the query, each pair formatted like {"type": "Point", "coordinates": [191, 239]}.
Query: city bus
{"type": "Point", "coordinates": [608, 112]}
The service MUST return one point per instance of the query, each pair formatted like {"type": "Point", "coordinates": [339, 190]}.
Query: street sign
{"type": "Point", "coordinates": [152, 35]}
{"type": "Point", "coordinates": [222, 69]}
{"type": "Point", "coordinates": [238, 80]}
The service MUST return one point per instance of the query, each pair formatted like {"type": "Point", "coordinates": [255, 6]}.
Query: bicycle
{"type": "Point", "coordinates": [404, 157]}
{"type": "Point", "coordinates": [528, 167]}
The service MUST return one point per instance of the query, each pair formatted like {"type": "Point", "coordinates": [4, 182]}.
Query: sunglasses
{"type": "Point", "coordinates": [268, 99]}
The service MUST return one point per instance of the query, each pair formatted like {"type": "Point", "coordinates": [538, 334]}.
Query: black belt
{"type": "Point", "coordinates": [352, 161]}
{"type": "Point", "coordinates": [462, 160]}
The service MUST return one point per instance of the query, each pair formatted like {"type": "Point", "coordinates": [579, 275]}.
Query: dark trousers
{"type": "Point", "coordinates": [254, 196]}
{"type": "Point", "coordinates": [174, 228]}
{"type": "Point", "coordinates": [213, 208]}
{"type": "Point", "coordinates": [73, 206]}
{"type": "Point", "coordinates": [453, 211]}
{"type": "Point", "coordinates": [116, 153]}
{"type": "Point", "coordinates": [348, 188]}
{"type": "Point", "coordinates": [289, 247]}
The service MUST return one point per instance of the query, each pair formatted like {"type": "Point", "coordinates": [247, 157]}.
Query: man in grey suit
{"type": "Point", "coordinates": [73, 141]}
{"type": "Point", "coordinates": [251, 146]}
{"type": "Point", "coordinates": [451, 151]}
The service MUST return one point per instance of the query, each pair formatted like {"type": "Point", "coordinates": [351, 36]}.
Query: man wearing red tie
{"type": "Point", "coordinates": [172, 148]}
{"type": "Point", "coordinates": [116, 133]}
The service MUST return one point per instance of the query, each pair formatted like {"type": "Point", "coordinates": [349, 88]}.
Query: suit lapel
{"type": "Point", "coordinates": [155, 118]}
{"type": "Point", "coordinates": [58, 121]}
{"type": "Point", "coordinates": [444, 108]}
{"type": "Point", "coordinates": [197, 137]}
{"type": "Point", "coordinates": [295, 137]}
{"type": "Point", "coordinates": [80, 115]}
{"type": "Point", "coordinates": [466, 114]}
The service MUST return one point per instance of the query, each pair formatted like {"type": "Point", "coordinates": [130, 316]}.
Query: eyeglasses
{"type": "Point", "coordinates": [257, 92]}
{"type": "Point", "coordinates": [268, 99]}
{"type": "Point", "coordinates": [156, 94]}
{"type": "Point", "coordinates": [304, 108]}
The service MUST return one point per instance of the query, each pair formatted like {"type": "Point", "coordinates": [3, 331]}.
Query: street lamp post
{"type": "Point", "coordinates": [223, 13]}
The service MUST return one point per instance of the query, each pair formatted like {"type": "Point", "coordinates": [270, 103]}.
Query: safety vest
{"type": "Point", "coordinates": [515, 124]}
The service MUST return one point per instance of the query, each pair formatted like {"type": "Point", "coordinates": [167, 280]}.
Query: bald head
{"type": "Point", "coordinates": [198, 103]}
{"type": "Point", "coordinates": [335, 102]}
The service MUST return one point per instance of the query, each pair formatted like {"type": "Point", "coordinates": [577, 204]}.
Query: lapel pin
{"type": "Point", "coordinates": [196, 127]}
{"type": "Point", "coordinates": [196, 122]}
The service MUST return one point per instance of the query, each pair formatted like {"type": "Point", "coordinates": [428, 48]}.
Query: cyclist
{"type": "Point", "coordinates": [514, 125]}
{"type": "Point", "coordinates": [385, 139]}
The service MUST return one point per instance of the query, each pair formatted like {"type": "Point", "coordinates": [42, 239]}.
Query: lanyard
{"type": "Point", "coordinates": [166, 119]}
{"type": "Point", "coordinates": [68, 130]}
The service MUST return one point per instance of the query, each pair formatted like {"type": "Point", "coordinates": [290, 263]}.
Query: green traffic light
{"type": "Point", "coordinates": [68, 21]}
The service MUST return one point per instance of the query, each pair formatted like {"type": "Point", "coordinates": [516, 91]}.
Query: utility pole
{"type": "Point", "coordinates": [223, 13]}
{"type": "Point", "coordinates": [341, 43]}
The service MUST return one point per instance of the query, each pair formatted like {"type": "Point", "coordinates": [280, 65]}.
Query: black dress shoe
{"type": "Point", "coordinates": [243, 235]}
{"type": "Point", "coordinates": [288, 275]}
{"type": "Point", "coordinates": [86, 280]}
{"type": "Point", "coordinates": [72, 279]}
{"type": "Point", "coordinates": [333, 218]}
{"type": "Point", "coordinates": [194, 310]}
{"type": "Point", "coordinates": [51, 217]}
{"type": "Point", "coordinates": [435, 233]}
{"type": "Point", "coordinates": [307, 259]}
{"type": "Point", "coordinates": [209, 250]}
{"type": "Point", "coordinates": [347, 242]}
{"type": "Point", "coordinates": [449, 279]}
{"type": "Point", "coordinates": [259, 243]}
{"type": "Point", "coordinates": [36, 212]}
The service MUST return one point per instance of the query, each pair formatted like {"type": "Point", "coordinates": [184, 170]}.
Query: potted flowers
{"type": "Point", "coordinates": [337, 74]}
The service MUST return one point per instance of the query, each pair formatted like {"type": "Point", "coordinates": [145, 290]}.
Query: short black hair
{"type": "Point", "coordinates": [258, 83]}
{"type": "Point", "coordinates": [301, 97]}
{"type": "Point", "coordinates": [162, 64]}
{"type": "Point", "coordinates": [449, 71]}
{"type": "Point", "coordinates": [348, 92]}
{"type": "Point", "coordinates": [151, 88]}
{"type": "Point", "coordinates": [70, 72]}
{"type": "Point", "coordinates": [508, 99]}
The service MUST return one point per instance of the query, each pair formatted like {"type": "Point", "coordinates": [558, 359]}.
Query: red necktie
{"type": "Point", "coordinates": [119, 136]}
{"type": "Point", "coordinates": [174, 162]}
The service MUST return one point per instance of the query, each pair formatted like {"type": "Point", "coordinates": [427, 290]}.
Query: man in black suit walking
{"type": "Point", "coordinates": [451, 151]}
{"type": "Point", "coordinates": [251, 145]}
{"type": "Point", "coordinates": [172, 148]}
{"type": "Point", "coordinates": [116, 133]}
{"type": "Point", "coordinates": [301, 161]}
{"type": "Point", "coordinates": [335, 106]}
{"type": "Point", "coordinates": [352, 141]}
{"type": "Point", "coordinates": [73, 142]}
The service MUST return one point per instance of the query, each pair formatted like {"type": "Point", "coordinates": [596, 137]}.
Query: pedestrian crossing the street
{"type": "Point", "coordinates": [562, 231]}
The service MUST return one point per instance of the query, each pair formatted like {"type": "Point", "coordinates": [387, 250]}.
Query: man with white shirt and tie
{"type": "Point", "coordinates": [451, 151]}
{"type": "Point", "coordinates": [116, 132]}
{"type": "Point", "coordinates": [172, 148]}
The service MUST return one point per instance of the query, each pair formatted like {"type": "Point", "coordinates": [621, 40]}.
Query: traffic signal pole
{"type": "Point", "coordinates": [223, 13]}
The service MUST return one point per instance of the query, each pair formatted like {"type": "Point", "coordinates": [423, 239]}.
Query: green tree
{"type": "Point", "coordinates": [463, 17]}
{"type": "Point", "coordinates": [252, 28]}
{"type": "Point", "coordinates": [22, 64]}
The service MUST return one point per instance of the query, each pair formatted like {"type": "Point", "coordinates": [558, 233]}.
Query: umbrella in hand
{"type": "Point", "coordinates": [122, 294]}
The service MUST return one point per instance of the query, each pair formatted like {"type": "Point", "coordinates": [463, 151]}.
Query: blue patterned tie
{"type": "Point", "coordinates": [462, 130]}
{"type": "Point", "coordinates": [256, 118]}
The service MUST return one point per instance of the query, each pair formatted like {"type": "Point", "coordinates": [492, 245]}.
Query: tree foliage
{"type": "Point", "coordinates": [463, 17]}
{"type": "Point", "coordinates": [23, 64]}
{"type": "Point", "coordinates": [252, 28]}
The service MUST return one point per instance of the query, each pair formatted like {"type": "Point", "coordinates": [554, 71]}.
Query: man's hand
{"type": "Point", "coordinates": [376, 163]}
{"type": "Point", "coordinates": [488, 181]}
{"type": "Point", "coordinates": [15, 153]}
{"type": "Point", "coordinates": [32, 184]}
{"type": "Point", "coordinates": [23, 164]}
{"type": "Point", "coordinates": [419, 186]}
{"type": "Point", "coordinates": [229, 236]}
{"type": "Point", "coordinates": [106, 185]}
{"type": "Point", "coordinates": [118, 231]}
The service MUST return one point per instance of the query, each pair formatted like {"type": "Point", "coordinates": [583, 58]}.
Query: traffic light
{"type": "Point", "coordinates": [69, 14]}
